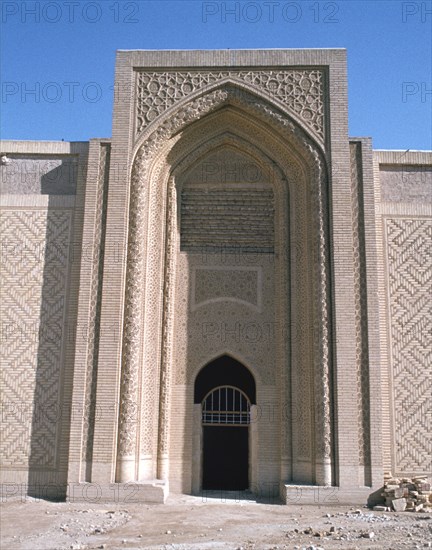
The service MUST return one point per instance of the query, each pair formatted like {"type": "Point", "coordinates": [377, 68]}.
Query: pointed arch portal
{"type": "Point", "coordinates": [266, 304]}
{"type": "Point", "coordinates": [232, 227]}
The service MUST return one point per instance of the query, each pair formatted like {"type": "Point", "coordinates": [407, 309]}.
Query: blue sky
{"type": "Point", "coordinates": [58, 57]}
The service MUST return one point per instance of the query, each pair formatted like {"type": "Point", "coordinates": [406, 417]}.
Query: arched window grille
{"type": "Point", "coordinates": [226, 405]}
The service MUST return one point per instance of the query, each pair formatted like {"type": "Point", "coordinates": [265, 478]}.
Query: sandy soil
{"type": "Point", "coordinates": [194, 523]}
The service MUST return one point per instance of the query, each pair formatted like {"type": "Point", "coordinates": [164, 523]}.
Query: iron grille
{"type": "Point", "coordinates": [226, 405]}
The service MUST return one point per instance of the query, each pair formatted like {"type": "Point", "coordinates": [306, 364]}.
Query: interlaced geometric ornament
{"type": "Point", "coordinates": [409, 248]}
{"type": "Point", "coordinates": [34, 264]}
{"type": "Point", "coordinates": [302, 91]}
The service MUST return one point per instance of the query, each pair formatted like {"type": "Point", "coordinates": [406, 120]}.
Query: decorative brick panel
{"type": "Point", "coordinates": [409, 250]}
{"type": "Point", "coordinates": [362, 356]}
{"type": "Point", "coordinates": [227, 217]}
{"type": "Point", "coordinates": [34, 268]}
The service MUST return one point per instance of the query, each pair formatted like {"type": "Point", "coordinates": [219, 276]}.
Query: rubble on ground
{"type": "Point", "coordinates": [406, 495]}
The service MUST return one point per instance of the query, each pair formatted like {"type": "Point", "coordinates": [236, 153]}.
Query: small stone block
{"type": "Point", "coordinates": [399, 504]}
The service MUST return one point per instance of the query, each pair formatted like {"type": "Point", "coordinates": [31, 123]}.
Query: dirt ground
{"type": "Point", "coordinates": [195, 523]}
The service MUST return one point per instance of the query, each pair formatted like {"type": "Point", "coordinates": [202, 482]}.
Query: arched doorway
{"type": "Point", "coordinates": [225, 421]}
{"type": "Point", "coordinates": [225, 392]}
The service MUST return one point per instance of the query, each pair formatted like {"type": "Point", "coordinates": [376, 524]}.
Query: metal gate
{"type": "Point", "coordinates": [226, 406]}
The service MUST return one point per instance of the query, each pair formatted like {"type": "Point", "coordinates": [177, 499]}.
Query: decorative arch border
{"type": "Point", "coordinates": [196, 105]}
{"type": "Point", "coordinates": [150, 166]}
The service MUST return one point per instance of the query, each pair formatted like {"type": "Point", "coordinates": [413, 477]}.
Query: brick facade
{"type": "Point", "coordinates": [229, 215]}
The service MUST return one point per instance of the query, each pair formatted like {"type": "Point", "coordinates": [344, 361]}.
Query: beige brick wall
{"type": "Point", "coordinates": [40, 257]}
{"type": "Point", "coordinates": [403, 182]}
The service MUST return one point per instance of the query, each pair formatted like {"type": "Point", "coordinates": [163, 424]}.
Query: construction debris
{"type": "Point", "coordinates": [406, 494]}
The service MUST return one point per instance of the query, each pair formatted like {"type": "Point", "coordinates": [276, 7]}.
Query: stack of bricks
{"type": "Point", "coordinates": [408, 494]}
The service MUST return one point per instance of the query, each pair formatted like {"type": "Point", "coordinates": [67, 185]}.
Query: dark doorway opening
{"type": "Point", "coordinates": [226, 458]}
{"type": "Point", "coordinates": [222, 371]}
{"type": "Point", "coordinates": [226, 390]}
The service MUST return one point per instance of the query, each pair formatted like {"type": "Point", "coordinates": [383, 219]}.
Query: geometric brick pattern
{"type": "Point", "coordinates": [34, 262]}
{"type": "Point", "coordinates": [301, 91]}
{"type": "Point", "coordinates": [360, 297]}
{"type": "Point", "coordinates": [409, 251]}
{"type": "Point", "coordinates": [222, 217]}
{"type": "Point", "coordinates": [226, 284]}
{"type": "Point", "coordinates": [95, 303]}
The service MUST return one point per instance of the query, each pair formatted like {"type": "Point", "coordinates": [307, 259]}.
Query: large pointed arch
{"type": "Point", "coordinates": [164, 151]}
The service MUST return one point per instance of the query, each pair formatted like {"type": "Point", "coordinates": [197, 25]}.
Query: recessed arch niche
{"type": "Point", "coordinates": [163, 348]}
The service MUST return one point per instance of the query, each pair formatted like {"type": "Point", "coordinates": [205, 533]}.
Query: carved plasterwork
{"type": "Point", "coordinates": [301, 91]}
{"type": "Point", "coordinates": [323, 439]}
{"type": "Point", "coordinates": [167, 330]}
{"type": "Point", "coordinates": [132, 321]}
{"type": "Point", "coordinates": [237, 285]}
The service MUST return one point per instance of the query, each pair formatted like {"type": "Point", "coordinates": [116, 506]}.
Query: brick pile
{"type": "Point", "coordinates": [407, 494]}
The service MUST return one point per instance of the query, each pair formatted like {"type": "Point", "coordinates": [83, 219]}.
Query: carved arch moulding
{"type": "Point", "coordinates": [151, 168]}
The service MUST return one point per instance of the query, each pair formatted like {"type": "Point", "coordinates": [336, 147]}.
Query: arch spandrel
{"type": "Point", "coordinates": [160, 160]}
{"type": "Point", "coordinates": [298, 93]}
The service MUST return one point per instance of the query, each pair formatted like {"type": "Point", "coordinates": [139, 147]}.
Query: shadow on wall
{"type": "Point", "coordinates": [50, 429]}
{"type": "Point", "coordinates": [61, 180]}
